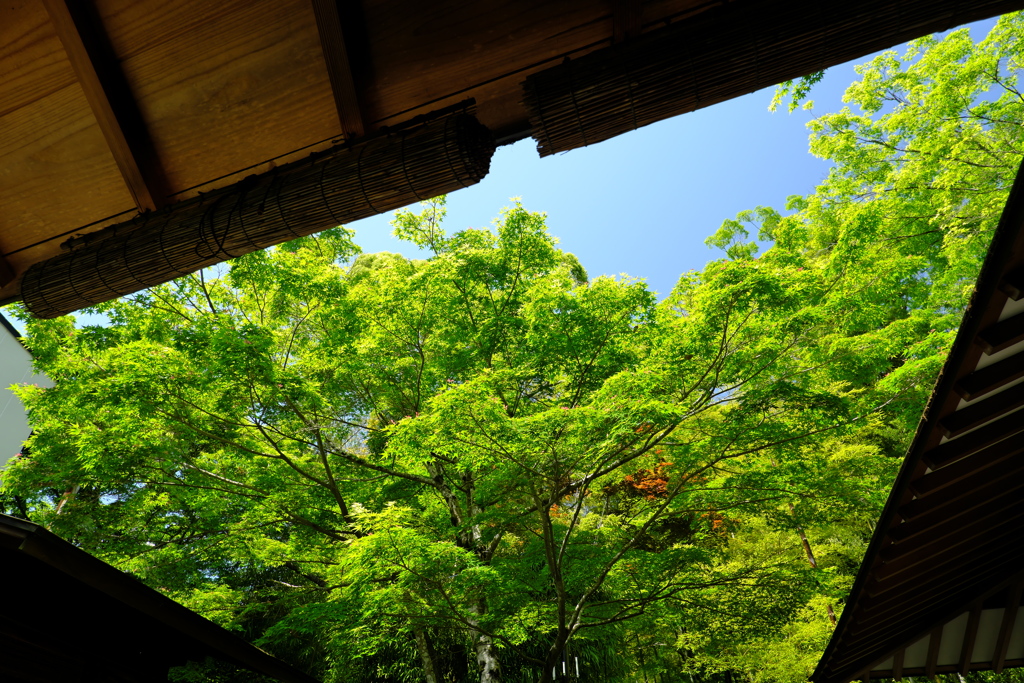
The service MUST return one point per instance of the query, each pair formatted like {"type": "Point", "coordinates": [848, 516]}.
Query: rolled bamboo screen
{"type": "Point", "coordinates": [719, 54]}
{"type": "Point", "coordinates": [340, 185]}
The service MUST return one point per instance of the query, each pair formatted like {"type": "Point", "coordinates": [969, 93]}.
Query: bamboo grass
{"type": "Point", "coordinates": [730, 50]}
{"type": "Point", "coordinates": [340, 185]}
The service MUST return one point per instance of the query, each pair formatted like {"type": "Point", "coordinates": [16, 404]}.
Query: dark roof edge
{"type": "Point", "coordinates": [46, 547]}
{"type": "Point", "coordinates": [1001, 252]}
{"type": "Point", "coordinates": [10, 328]}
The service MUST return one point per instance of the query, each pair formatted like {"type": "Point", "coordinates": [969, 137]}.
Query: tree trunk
{"type": "Point", "coordinates": [487, 659]}
{"type": "Point", "coordinates": [811, 559]}
{"type": "Point", "coordinates": [486, 654]}
{"type": "Point", "coordinates": [426, 652]}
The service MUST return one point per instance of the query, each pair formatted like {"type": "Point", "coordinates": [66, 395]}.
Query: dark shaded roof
{"type": "Point", "coordinates": [940, 586]}
{"type": "Point", "coordinates": [65, 614]}
{"type": "Point", "coordinates": [9, 327]}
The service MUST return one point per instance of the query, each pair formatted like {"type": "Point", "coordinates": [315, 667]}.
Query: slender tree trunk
{"type": "Point", "coordinates": [811, 559]}
{"type": "Point", "coordinates": [426, 652]}
{"type": "Point", "coordinates": [471, 539]}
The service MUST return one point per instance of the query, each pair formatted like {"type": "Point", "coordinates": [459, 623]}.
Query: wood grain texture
{"type": "Point", "coordinates": [1006, 627]}
{"type": "Point", "coordinates": [248, 82]}
{"type": "Point", "coordinates": [339, 65]}
{"type": "Point", "coordinates": [33, 62]}
{"type": "Point", "coordinates": [223, 88]}
{"type": "Point", "coordinates": [56, 172]}
{"type": "Point", "coordinates": [969, 639]}
{"type": "Point", "coordinates": [418, 57]}
{"type": "Point", "coordinates": [934, 641]}
{"type": "Point", "coordinates": [111, 103]}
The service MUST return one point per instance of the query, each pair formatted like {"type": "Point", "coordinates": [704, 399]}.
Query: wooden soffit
{"type": "Point", "coordinates": [109, 108]}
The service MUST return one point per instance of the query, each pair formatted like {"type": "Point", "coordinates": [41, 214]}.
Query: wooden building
{"type": "Point", "coordinates": [940, 588]}
{"type": "Point", "coordinates": [66, 616]}
{"type": "Point", "coordinates": [144, 139]}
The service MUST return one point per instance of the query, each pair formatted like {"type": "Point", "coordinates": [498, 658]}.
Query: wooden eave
{"type": "Point", "coordinates": [940, 587]}
{"type": "Point", "coordinates": [66, 615]}
{"type": "Point", "coordinates": [112, 107]}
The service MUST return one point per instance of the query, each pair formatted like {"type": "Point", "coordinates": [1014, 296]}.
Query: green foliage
{"type": "Point", "coordinates": [923, 159]}
{"type": "Point", "coordinates": [482, 464]}
{"type": "Point", "coordinates": [796, 90]}
{"type": "Point", "coordinates": [375, 467]}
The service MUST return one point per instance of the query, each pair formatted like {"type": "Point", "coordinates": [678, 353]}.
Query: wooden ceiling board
{"type": "Point", "coordinates": [249, 84]}
{"type": "Point", "coordinates": [34, 63]}
{"type": "Point", "coordinates": [417, 57]}
{"type": "Point", "coordinates": [221, 90]}
{"type": "Point", "coordinates": [484, 51]}
{"type": "Point", "coordinates": [54, 137]}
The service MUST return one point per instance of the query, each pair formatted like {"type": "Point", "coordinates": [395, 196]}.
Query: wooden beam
{"type": "Point", "coordinates": [991, 377]}
{"type": "Point", "coordinates": [984, 490]}
{"type": "Point", "coordinates": [897, 664]}
{"type": "Point", "coordinates": [969, 468]}
{"type": "Point", "coordinates": [892, 602]}
{"type": "Point", "coordinates": [934, 641]}
{"type": "Point", "coordinates": [907, 626]}
{"type": "Point", "coordinates": [970, 636]}
{"type": "Point", "coordinates": [1006, 628]}
{"type": "Point", "coordinates": [110, 99]}
{"type": "Point", "coordinates": [1012, 284]}
{"type": "Point", "coordinates": [1003, 334]}
{"type": "Point", "coordinates": [969, 417]}
{"type": "Point", "coordinates": [897, 619]}
{"type": "Point", "coordinates": [338, 56]}
{"type": "Point", "coordinates": [971, 443]}
{"type": "Point", "coordinates": [983, 529]}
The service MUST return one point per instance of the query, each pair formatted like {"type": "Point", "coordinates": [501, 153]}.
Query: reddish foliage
{"type": "Point", "coordinates": [649, 483]}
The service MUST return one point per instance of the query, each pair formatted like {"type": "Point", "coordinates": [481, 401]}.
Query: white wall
{"type": "Point", "coordinates": [15, 368]}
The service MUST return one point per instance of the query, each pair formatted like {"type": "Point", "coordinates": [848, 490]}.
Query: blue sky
{"type": "Point", "coordinates": [643, 203]}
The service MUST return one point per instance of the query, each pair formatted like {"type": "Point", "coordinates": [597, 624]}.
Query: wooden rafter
{"type": "Point", "coordinates": [1012, 284]}
{"type": "Point", "coordinates": [338, 56]}
{"type": "Point", "coordinates": [970, 636]}
{"type": "Point", "coordinates": [1003, 334]}
{"type": "Point", "coordinates": [900, 613]}
{"type": "Point", "coordinates": [978, 440]}
{"type": "Point", "coordinates": [958, 472]}
{"type": "Point", "coordinates": [111, 102]}
{"type": "Point", "coordinates": [984, 411]}
{"type": "Point", "coordinates": [946, 510]}
{"type": "Point", "coordinates": [1006, 628]}
{"type": "Point", "coordinates": [897, 664]}
{"type": "Point", "coordinates": [936, 554]}
{"type": "Point", "coordinates": [991, 377]}
{"type": "Point", "coordinates": [934, 642]}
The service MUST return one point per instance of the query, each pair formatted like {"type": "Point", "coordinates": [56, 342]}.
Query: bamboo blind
{"type": "Point", "coordinates": [331, 188]}
{"type": "Point", "coordinates": [722, 53]}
